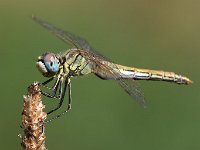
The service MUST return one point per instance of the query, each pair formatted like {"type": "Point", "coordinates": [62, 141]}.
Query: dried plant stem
{"type": "Point", "coordinates": [33, 118]}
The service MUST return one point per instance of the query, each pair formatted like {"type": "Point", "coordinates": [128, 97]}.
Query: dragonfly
{"type": "Point", "coordinates": [82, 59]}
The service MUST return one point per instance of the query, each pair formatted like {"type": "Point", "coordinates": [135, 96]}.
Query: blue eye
{"type": "Point", "coordinates": [52, 64]}
{"type": "Point", "coordinates": [48, 64]}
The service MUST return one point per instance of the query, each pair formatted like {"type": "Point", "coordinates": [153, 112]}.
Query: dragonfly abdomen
{"type": "Point", "coordinates": [146, 74]}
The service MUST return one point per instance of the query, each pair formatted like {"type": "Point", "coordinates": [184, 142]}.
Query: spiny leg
{"type": "Point", "coordinates": [45, 82]}
{"type": "Point", "coordinates": [68, 83]}
{"type": "Point", "coordinates": [49, 80]}
{"type": "Point", "coordinates": [61, 95]}
{"type": "Point", "coordinates": [54, 88]}
{"type": "Point", "coordinates": [69, 92]}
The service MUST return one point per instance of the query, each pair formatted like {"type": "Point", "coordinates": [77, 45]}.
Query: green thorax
{"type": "Point", "coordinates": [74, 63]}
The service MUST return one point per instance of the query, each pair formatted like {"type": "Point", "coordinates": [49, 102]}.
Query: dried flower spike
{"type": "Point", "coordinates": [33, 118]}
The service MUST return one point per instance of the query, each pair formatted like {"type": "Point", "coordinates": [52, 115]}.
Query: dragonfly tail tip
{"type": "Point", "coordinates": [189, 81]}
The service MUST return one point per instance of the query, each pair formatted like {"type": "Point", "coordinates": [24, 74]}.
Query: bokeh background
{"type": "Point", "coordinates": [162, 35]}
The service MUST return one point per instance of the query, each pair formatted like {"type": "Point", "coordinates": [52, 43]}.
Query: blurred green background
{"type": "Point", "coordinates": [162, 35]}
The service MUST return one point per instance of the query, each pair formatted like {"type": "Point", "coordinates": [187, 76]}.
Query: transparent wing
{"type": "Point", "coordinates": [133, 89]}
{"type": "Point", "coordinates": [129, 85]}
{"type": "Point", "coordinates": [65, 36]}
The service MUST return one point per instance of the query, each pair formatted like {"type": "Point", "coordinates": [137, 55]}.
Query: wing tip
{"type": "Point", "coordinates": [143, 104]}
{"type": "Point", "coordinates": [35, 18]}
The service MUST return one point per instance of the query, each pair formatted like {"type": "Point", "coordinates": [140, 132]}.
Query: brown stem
{"type": "Point", "coordinates": [33, 117]}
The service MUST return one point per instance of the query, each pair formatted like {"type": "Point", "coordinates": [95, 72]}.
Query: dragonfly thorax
{"type": "Point", "coordinates": [48, 64]}
{"type": "Point", "coordinates": [74, 64]}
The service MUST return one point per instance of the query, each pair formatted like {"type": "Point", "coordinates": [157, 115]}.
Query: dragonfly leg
{"type": "Point", "coordinates": [45, 82]}
{"type": "Point", "coordinates": [54, 88]}
{"type": "Point", "coordinates": [67, 83]}
{"type": "Point", "coordinates": [61, 95]}
{"type": "Point", "coordinates": [69, 92]}
{"type": "Point", "coordinates": [49, 80]}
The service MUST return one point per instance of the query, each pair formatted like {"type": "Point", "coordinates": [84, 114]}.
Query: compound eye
{"type": "Point", "coordinates": [48, 57]}
{"type": "Point", "coordinates": [51, 63]}
{"type": "Point", "coordinates": [48, 64]}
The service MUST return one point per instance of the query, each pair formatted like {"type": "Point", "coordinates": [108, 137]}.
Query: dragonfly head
{"type": "Point", "coordinates": [48, 64]}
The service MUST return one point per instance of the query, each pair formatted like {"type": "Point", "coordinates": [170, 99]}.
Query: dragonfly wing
{"type": "Point", "coordinates": [133, 89]}
{"type": "Point", "coordinates": [112, 72]}
{"type": "Point", "coordinates": [65, 36]}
